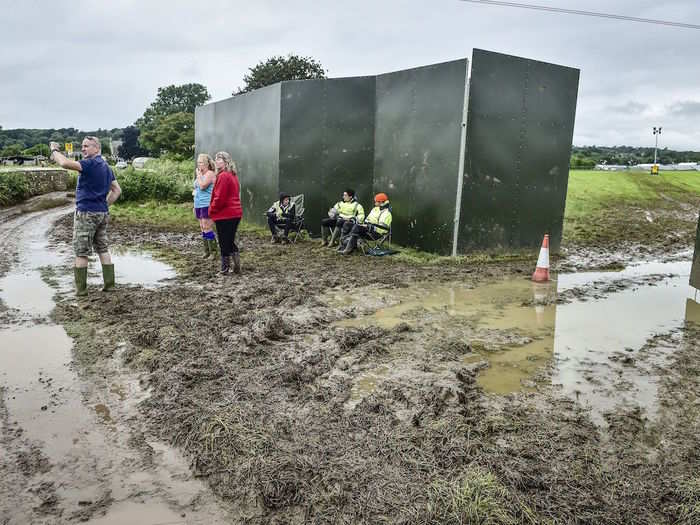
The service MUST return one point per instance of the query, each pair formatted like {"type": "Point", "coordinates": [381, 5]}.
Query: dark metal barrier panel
{"type": "Point", "coordinates": [519, 133]}
{"type": "Point", "coordinates": [247, 126]}
{"type": "Point", "coordinates": [695, 270]}
{"type": "Point", "coordinates": [417, 149]}
{"type": "Point", "coordinates": [327, 142]}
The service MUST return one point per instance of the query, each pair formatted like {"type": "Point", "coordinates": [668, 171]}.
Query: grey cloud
{"type": "Point", "coordinates": [685, 108]}
{"type": "Point", "coordinates": [629, 71]}
{"type": "Point", "coordinates": [630, 108]}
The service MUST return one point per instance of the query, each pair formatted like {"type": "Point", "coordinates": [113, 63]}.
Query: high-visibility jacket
{"type": "Point", "coordinates": [282, 211]}
{"type": "Point", "coordinates": [348, 210]}
{"type": "Point", "coordinates": [380, 216]}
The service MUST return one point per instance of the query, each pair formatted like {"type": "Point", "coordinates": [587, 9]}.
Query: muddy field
{"type": "Point", "coordinates": [274, 398]}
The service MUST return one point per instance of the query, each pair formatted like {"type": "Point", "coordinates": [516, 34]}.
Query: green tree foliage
{"type": "Point", "coordinates": [27, 138]}
{"type": "Point", "coordinates": [279, 68]}
{"type": "Point", "coordinates": [162, 181]}
{"type": "Point", "coordinates": [11, 150]}
{"type": "Point", "coordinates": [589, 156]}
{"type": "Point", "coordinates": [172, 135]}
{"type": "Point", "coordinates": [167, 125]}
{"type": "Point", "coordinates": [130, 146]}
{"type": "Point", "coordinates": [14, 188]}
{"type": "Point", "coordinates": [37, 149]}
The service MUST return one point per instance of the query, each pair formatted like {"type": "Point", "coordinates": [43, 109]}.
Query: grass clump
{"type": "Point", "coordinates": [476, 498]}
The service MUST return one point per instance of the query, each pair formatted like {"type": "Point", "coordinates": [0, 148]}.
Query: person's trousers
{"type": "Point", "coordinates": [274, 223]}
{"type": "Point", "coordinates": [226, 233]}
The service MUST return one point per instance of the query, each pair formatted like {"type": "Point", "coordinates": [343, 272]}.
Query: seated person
{"type": "Point", "coordinates": [341, 217]}
{"type": "Point", "coordinates": [378, 223]}
{"type": "Point", "coordinates": [281, 215]}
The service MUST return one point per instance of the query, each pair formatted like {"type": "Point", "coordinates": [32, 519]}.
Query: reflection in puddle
{"type": "Point", "coordinates": [27, 292]}
{"type": "Point", "coordinates": [132, 267]}
{"type": "Point", "coordinates": [584, 340]}
{"type": "Point", "coordinates": [41, 389]}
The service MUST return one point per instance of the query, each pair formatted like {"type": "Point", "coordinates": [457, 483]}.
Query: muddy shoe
{"type": "Point", "coordinates": [237, 263]}
{"type": "Point", "coordinates": [207, 249]}
{"type": "Point", "coordinates": [80, 281]}
{"type": "Point", "coordinates": [225, 264]}
{"type": "Point", "coordinates": [108, 277]}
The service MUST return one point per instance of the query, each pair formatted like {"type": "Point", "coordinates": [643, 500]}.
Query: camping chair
{"type": "Point", "coordinates": [298, 220]}
{"type": "Point", "coordinates": [376, 246]}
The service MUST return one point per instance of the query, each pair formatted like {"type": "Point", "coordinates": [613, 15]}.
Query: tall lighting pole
{"type": "Point", "coordinates": [657, 132]}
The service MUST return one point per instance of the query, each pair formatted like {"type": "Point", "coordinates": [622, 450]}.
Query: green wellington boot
{"type": "Point", "coordinates": [207, 248]}
{"type": "Point", "coordinates": [214, 249]}
{"type": "Point", "coordinates": [108, 276]}
{"type": "Point", "coordinates": [80, 281]}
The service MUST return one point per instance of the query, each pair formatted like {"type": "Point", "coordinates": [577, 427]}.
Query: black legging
{"type": "Point", "coordinates": [226, 233]}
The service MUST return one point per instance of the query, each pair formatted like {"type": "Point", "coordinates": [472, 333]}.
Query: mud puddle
{"type": "Point", "coordinates": [73, 448]}
{"type": "Point", "coordinates": [133, 267]}
{"type": "Point", "coordinates": [592, 347]}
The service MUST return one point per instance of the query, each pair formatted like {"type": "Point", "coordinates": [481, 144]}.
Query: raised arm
{"type": "Point", "coordinates": [60, 159]}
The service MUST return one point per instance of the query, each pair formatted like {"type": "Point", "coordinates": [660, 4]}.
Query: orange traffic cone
{"type": "Point", "coordinates": [542, 271]}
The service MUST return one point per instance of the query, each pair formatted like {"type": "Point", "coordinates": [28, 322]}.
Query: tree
{"type": "Point", "coordinates": [130, 147]}
{"type": "Point", "coordinates": [279, 68]}
{"type": "Point", "coordinates": [168, 123]}
{"type": "Point", "coordinates": [174, 99]}
{"type": "Point", "coordinates": [172, 134]}
{"type": "Point", "coordinates": [37, 149]}
{"type": "Point", "coordinates": [11, 150]}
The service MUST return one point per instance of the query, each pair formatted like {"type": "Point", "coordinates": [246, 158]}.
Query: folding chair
{"type": "Point", "coordinates": [376, 246]}
{"type": "Point", "coordinates": [298, 220]}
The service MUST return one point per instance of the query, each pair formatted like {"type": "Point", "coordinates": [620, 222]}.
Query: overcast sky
{"type": "Point", "coordinates": [88, 64]}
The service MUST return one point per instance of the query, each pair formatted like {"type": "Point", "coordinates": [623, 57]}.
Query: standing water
{"type": "Point", "coordinates": [579, 343]}
{"type": "Point", "coordinates": [70, 450]}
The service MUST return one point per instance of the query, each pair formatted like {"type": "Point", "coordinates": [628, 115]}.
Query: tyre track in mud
{"type": "Point", "coordinates": [73, 449]}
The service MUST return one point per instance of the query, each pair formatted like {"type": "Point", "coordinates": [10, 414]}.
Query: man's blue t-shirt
{"type": "Point", "coordinates": [94, 182]}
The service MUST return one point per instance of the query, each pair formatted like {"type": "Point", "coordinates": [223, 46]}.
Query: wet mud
{"type": "Point", "coordinates": [73, 447]}
{"type": "Point", "coordinates": [293, 410]}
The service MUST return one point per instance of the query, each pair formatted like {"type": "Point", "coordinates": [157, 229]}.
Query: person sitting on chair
{"type": "Point", "coordinates": [341, 217]}
{"type": "Point", "coordinates": [281, 215]}
{"type": "Point", "coordinates": [378, 223]}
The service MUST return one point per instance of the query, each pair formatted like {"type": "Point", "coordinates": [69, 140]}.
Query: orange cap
{"type": "Point", "coordinates": [381, 197]}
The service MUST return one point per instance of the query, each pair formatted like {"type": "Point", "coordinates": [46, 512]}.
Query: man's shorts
{"type": "Point", "coordinates": [90, 231]}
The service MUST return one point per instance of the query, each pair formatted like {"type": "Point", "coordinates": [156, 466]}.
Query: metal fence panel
{"type": "Point", "coordinates": [520, 128]}
{"type": "Point", "coordinates": [695, 270]}
{"type": "Point", "coordinates": [416, 153]}
{"type": "Point", "coordinates": [246, 126]}
{"type": "Point", "coordinates": [327, 142]}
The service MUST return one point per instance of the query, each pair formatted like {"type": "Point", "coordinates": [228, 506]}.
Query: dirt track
{"type": "Point", "coordinates": [250, 379]}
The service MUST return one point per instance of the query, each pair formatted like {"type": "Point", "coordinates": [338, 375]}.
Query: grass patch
{"type": "Point", "coordinates": [477, 498]}
{"type": "Point", "coordinates": [167, 215]}
{"type": "Point", "coordinates": [602, 206]}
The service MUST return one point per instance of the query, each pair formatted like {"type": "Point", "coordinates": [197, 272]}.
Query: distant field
{"type": "Point", "coordinates": [606, 205]}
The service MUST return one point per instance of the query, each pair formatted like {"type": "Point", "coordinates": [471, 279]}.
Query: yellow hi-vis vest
{"type": "Point", "coordinates": [347, 210]}
{"type": "Point", "coordinates": [279, 210]}
{"type": "Point", "coordinates": [380, 217]}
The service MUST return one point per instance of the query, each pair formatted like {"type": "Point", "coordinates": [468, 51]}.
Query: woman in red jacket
{"type": "Point", "coordinates": [226, 211]}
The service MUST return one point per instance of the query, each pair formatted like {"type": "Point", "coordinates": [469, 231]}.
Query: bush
{"type": "Point", "coordinates": [14, 188]}
{"type": "Point", "coordinates": [161, 180]}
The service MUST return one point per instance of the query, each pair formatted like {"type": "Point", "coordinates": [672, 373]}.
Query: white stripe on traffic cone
{"type": "Point", "coordinates": [542, 270]}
